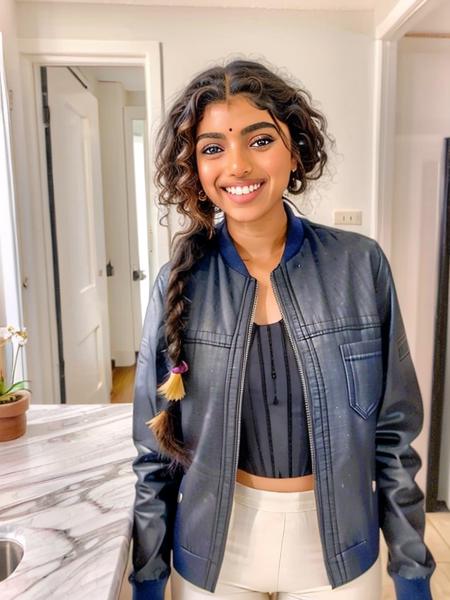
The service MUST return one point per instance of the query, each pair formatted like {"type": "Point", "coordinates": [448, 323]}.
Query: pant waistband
{"type": "Point", "coordinates": [274, 501]}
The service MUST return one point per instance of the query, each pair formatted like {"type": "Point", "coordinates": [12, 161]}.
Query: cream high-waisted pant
{"type": "Point", "coordinates": [273, 546]}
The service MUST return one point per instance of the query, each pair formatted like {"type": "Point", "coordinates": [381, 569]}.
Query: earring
{"type": "Point", "coordinates": [294, 182]}
{"type": "Point", "coordinates": [202, 196]}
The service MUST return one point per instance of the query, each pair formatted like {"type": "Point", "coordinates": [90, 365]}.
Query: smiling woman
{"type": "Point", "coordinates": [275, 467]}
{"type": "Point", "coordinates": [248, 165]}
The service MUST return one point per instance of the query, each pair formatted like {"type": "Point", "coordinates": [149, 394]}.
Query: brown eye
{"type": "Point", "coordinates": [264, 139]}
{"type": "Point", "coordinates": [206, 148]}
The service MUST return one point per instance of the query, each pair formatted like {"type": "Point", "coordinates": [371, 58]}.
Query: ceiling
{"type": "Point", "coordinates": [132, 78]}
{"type": "Point", "coordinates": [276, 4]}
{"type": "Point", "coordinates": [437, 21]}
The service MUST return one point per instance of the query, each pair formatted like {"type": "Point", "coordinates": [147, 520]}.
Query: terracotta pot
{"type": "Point", "coordinates": [13, 420]}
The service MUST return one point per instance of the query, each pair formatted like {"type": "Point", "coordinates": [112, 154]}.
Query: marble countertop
{"type": "Point", "coordinates": [66, 493]}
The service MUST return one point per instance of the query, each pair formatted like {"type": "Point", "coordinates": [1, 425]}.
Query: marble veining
{"type": "Point", "coordinates": [66, 494]}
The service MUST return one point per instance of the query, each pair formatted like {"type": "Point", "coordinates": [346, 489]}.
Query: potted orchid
{"type": "Point", "coordinates": [14, 396]}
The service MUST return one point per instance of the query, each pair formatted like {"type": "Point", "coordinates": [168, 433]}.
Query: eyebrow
{"type": "Point", "coordinates": [248, 129]}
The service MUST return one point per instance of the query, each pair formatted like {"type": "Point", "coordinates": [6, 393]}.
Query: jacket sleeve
{"type": "Point", "coordinates": [156, 485]}
{"type": "Point", "coordinates": [400, 419]}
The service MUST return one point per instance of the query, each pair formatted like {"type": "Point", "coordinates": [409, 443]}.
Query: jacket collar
{"type": "Point", "coordinates": [227, 249]}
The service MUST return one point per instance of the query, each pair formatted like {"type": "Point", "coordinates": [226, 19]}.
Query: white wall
{"type": "Point", "coordinates": [438, 20]}
{"type": "Point", "coordinates": [383, 8]}
{"type": "Point", "coordinates": [423, 119]}
{"type": "Point", "coordinates": [11, 309]}
{"type": "Point", "coordinates": [330, 52]}
{"type": "Point", "coordinates": [135, 98]}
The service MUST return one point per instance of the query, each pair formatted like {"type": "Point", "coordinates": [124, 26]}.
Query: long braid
{"type": "Point", "coordinates": [191, 245]}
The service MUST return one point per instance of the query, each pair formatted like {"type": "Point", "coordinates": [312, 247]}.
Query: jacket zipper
{"type": "Point", "coordinates": [238, 412]}
{"type": "Point", "coordinates": [244, 367]}
{"type": "Point", "coordinates": [302, 377]}
{"type": "Point", "coordinates": [308, 420]}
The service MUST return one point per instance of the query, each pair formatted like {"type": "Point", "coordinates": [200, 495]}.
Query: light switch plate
{"type": "Point", "coordinates": [348, 217]}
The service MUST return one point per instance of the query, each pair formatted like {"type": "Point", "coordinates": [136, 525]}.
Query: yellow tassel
{"type": "Point", "coordinates": [173, 388]}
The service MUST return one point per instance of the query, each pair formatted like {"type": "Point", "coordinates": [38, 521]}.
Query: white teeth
{"type": "Point", "coordinates": [246, 189]}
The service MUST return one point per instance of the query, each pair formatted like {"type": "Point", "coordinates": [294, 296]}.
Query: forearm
{"type": "Point", "coordinates": [400, 419]}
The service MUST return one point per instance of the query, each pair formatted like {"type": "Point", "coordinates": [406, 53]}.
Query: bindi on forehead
{"type": "Point", "coordinates": [245, 131]}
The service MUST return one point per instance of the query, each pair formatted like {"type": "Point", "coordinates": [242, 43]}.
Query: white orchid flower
{"type": "Point", "coordinates": [5, 336]}
{"type": "Point", "coordinates": [22, 336]}
{"type": "Point", "coordinates": [9, 387]}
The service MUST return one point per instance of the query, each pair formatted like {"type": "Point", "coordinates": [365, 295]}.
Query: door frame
{"type": "Point", "coordinates": [39, 303]}
{"type": "Point", "coordinates": [397, 22]}
{"type": "Point", "coordinates": [440, 340]}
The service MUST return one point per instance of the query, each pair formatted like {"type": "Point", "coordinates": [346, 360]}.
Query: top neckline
{"type": "Point", "coordinates": [267, 324]}
{"type": "Point", "coordinates": [294, 241]}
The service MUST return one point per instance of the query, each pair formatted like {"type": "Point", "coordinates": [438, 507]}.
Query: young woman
{"type": "Point", "coordinates": [275, 395]}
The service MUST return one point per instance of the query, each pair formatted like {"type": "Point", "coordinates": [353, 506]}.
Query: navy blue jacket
{"type": "Point", "coordinates": [362, 399]}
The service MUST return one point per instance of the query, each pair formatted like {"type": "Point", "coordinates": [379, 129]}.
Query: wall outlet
{"type": "Point", "coordinates": [348, 217]}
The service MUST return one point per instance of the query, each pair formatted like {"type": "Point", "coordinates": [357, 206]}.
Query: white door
{"type": "Point", "coordinates": [137, 199]}
{"type": "Point", "coordinates": [80, 237]}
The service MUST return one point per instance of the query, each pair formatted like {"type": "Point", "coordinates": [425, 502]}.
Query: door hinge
{"type": "Point", "coordinates": [10, 99]}
{"type": "Point", "coordinates": [46, 115]}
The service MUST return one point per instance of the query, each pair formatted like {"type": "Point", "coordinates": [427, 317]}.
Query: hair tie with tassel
{"type": "Point", "coordinates": [173, 388]}
{"type": "Point", "coordinates": [162, 424]}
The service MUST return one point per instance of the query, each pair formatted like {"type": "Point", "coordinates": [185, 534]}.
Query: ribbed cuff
{"type": "Point", "coordinates": [150, 589]}
{"type": "Point", "coordinates": [412, 589]}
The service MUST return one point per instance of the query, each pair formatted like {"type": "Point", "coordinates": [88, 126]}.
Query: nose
{"type": "Point", "coordinates": [238, 162]}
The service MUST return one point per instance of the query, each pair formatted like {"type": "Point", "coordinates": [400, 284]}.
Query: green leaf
{"type": "Point", "coordinates": [19, 385]}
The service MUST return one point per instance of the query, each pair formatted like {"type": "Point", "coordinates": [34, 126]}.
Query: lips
{"type": "Point", "coordinates": [246, 189]}
{"type": "Point", "coordinates": [243, 198]}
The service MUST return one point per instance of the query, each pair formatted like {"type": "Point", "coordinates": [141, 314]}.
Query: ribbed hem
{"type": "Point", "coordinates": [412, 589]}
{"type": "Point", "coordinates": [150, 589]}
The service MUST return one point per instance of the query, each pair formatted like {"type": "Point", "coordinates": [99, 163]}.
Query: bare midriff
{"type": "Point", "coordinates": [276, 484]}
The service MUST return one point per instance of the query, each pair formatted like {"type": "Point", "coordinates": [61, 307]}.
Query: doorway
{"type": "Point", "coordinates": [438, 480]}
{"type": "Point", "coordinates": [76, 60]}
{"type": "Point", "coordinates": [96, 178]}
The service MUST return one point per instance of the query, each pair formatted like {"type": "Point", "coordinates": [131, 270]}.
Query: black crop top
{"type": "Point", "coordinates": [274, 434]}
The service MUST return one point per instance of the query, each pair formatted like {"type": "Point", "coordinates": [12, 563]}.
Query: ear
{"type": "Point", "coordinates": [293, 162]}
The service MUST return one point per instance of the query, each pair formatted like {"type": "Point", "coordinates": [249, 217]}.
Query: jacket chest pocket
{"type": "Point", "coordinates": [364, 374]}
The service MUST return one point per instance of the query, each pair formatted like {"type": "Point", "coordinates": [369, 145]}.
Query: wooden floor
{"type": "Point", "coordinates": [437, 531]}
{"type": "Point", "coordinates": [123, 381]}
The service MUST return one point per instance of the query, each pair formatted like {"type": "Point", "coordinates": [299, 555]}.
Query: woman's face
{"type": "Point", "coordinates": [237, 146]}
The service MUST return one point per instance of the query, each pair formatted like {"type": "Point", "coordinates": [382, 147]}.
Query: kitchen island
{"type": "Point", "coordinates": [66, 494]}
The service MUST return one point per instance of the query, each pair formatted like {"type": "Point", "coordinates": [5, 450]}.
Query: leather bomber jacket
{"type": "Point", "coordinates": [364, 407]}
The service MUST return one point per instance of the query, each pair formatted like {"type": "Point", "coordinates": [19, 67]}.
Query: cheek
{"type": "Point", "coordinates": [207, 172]}
{"type": "Point", "coordinates": [279, 166]}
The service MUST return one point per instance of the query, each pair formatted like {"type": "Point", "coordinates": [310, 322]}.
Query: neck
{"type": "Point", "coordinates": [262, 239]}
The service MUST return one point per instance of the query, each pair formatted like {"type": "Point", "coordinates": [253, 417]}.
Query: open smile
{"type": "Point", "coordinates": [241, 194]}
